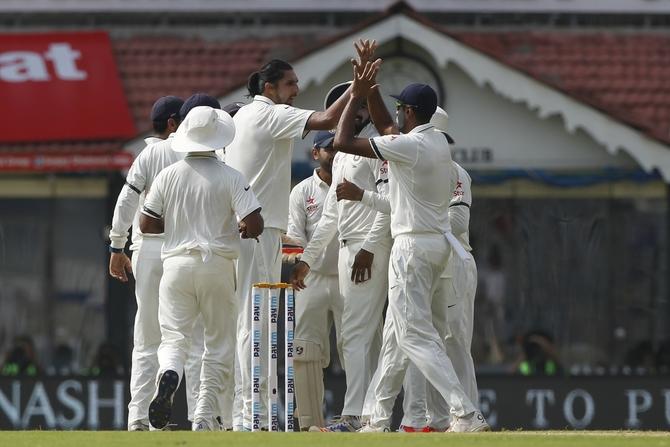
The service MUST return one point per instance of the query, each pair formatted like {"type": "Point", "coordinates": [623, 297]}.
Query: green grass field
{"type": "Point", "coordinates": [187, 439]}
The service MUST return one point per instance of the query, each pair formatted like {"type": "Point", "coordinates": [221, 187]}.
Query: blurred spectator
{"type": "Point", "coordinates": [539, 356]}
{"type": "Point", "coordinates": [663, 358]}
{"type": "Point", "coordinates": [21, 359]}
{"type": "Point", "coordinates": [641, 358]}
{"type": "Point", "coordinates": [107, 362]}
{"type": "Point", "coordinates": [63, 361]}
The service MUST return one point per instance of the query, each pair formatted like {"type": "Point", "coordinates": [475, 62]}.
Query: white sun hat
{"type": "Point", "coordinates": [440, 119]}
{"type": "Point", "coordinates": [204, 129]}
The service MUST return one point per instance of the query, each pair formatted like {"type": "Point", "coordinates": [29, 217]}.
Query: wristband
{"type": "Point", "coordinates": [115, 250]}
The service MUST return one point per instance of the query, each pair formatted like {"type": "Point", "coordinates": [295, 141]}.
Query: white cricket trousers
{"type": "Point", "coordinates": [361, 323]}
{"type": "Point", "coordinates": [458, 294]}
{"type": "Point", "coordinates": [259, 261]}
{"type": "Point", "coordinates": [317, 308]}
{"type": "Point", "coordinates": [192, 376]}
{"type": "Point", "coordinates": [189, 288]}
{"type": "Point", "coordinates": [410, 332]}
{"type": "Point", "coordinates": [147, 270]}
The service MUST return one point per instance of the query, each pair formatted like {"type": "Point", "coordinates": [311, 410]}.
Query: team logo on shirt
{"type": "Point", "coordinates": [312, 206]}
{"type": "Point", "coordinates": [384, 169]}
{"type": "Point", "coordinates": [459, 189]}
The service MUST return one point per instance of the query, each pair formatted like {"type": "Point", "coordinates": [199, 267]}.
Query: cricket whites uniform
{"type": "Point", "coordinates": [457, 289]}
{"type": "Point", "coordinates": [360, 227]}
{"type": "Point", "coordinates": [147, 270]}
{"type": "Point", "coordinates": [200, 200]}
{"type": "Point", "coordinates": [261, 151]}
{"type": "Point", "coordinates": [419, 175]}
{"type": "Point", "coordinates": [318, 306]}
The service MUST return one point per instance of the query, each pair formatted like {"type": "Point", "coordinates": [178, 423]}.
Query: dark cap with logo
{"type": "Point", "coordinates": [166, 107]}
{"type": "Point", "coordinates": [420, 96]}
{"type": "Point", "coordinates": [323, 139]}
{"type": "Point", "coordinates": [197, 100]}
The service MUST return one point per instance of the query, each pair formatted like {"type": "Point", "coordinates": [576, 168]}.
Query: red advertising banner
{"type": "Point", "coordinates": [61, 86]}
{"type": "Point", "coordinates": [64, 162]}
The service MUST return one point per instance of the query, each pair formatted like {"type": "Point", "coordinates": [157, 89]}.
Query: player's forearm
{"type": "Point", "coordinates": [376, 201]}
{"type": "Point", "coordinates": [324, 233]}
{"type": "Point", "coordinates": [380, 233]}
{"type": "Point", "coordinates": [124, 213]}
{"type": "Point", "coordinates": [379, 114]}
{"type": "Point", "coordinates": [459, 218]}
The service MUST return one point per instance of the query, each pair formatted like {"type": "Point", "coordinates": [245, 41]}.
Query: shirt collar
{"type": "Point", "coordinates": [319, 181]}
{"type": "Point", "coordinates": [422, 128]}
{"type": "Point", "coordinates": [264, 99]}
{"type": "Point", "coordinates": [201, 155]}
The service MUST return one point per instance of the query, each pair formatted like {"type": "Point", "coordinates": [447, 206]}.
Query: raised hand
{"type": "Point", "coordinates": [365, 50]}
{"type": "Point", "coordinates": [364, 78]}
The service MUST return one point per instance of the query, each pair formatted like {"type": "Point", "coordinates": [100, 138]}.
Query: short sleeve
{"type": "Point", "coordinates": [289, 121]}
{"type": "Point", "coordinates": [396, 148]}
{"type": "Point", "coordinates": [154, 204]}
{"type": "Point", "coordinates": [244, 199]}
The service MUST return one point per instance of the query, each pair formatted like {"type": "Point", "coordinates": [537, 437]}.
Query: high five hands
{"type": "Point", "coordinates": [365, 78]}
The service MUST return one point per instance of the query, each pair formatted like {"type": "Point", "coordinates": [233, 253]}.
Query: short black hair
{"type": "Point", "coordinates": [271, 72]}
{"type": "Point", "coordinates": [161, 126]}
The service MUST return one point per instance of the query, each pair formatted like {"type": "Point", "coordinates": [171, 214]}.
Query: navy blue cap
{"type": "Point", "coordinates": [420, 96]}
{"type": "Point", "coordinates": [196, 100]}
{"type": "Point", "coordinates": [323, 138]}
{"type": "Point", "coordinates": [166, 107]}
{"type": "Point", "coordinates": [233, 108]}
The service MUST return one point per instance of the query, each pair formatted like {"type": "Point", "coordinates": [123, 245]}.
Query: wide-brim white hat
{"type": "Point", "coordinates": [440, 119]}
{"type": "Point", "coordinates": [204, 129]}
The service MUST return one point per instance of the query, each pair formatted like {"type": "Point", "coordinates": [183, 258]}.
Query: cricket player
{"type": "Point", "coordinates": [197, 203]}
{"type": "Point", "coordinates": [365, 243]}
{"type": "Point", "coordinates": [146, 265]}
{"type": "Point", "coordinates": [194, 360]}
{"type": "Point", "coordinates": [319, 305]}
{"type": "Point", "coordinates": [262, 152]}
{"type": "Point", "coordinates": [457, 288]}
{"type": "Point", "coordinates": [419, 174]}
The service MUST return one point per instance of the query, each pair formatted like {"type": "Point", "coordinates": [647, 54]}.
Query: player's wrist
{"type": "Point", "coordinates": [114, 250]}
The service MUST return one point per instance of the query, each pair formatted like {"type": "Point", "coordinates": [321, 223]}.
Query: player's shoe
{"type": "Point", "coordinates": [471, 423]}
{"type": "Point", "coordinates": [410, 429]}
{"type": "Point", "coordinates": [160, 408]}
{"type": "Point", "coordinates": [367, 428]}
{"type": "Point", "coordinates": [202, 424]}
{"type": "Point", "coordinates": [340, 424]}
{"type": "Point", "coordinates": [138, 426]}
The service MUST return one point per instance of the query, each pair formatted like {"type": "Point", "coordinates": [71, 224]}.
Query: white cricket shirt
{"type": "Point", "coordinates": [305, 208]}
{"type": "Point", "coordinates": [355, 221]}
{"type": "Point", "coordinates": [262, 151]}
{"type": "Point", "coordinates": [419, 177]}
{"type": "Point", "coordinates": [201, 200]}
{"type": "Point", "coordinates": [152, 160]}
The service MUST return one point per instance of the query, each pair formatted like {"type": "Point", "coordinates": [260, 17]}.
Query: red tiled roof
{"type": "Point", "coordinates": [625, 75]}
{"type": "Point", "coordinates": [151, 67]}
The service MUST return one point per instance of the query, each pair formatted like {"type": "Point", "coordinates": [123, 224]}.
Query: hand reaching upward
{"type": "Point", "coordinates": [364, 78]}
{"type": "Point", "coordinates": [365, 50]}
